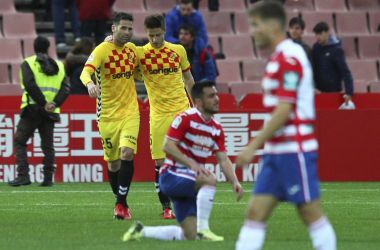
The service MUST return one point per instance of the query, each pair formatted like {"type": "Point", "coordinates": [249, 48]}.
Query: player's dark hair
{"type": "Point", "coordinates": [321, 26]}
{"type": "Point", "coordinates": [154, 21]}
{"type": "Point", "coordinates": [190, 28]}
{"type": "Point", "coordinates": [185, 1]}
{"type": "Point", "coordinates": [297, 20]}
{"type": "Point", "coordinates": [122, 16]}
{"type": "Point", "coordinates": [270, 10]}
{"type": "Point", "coordinates": [197, 89]}
{"type": "Point", "coordinates": [41, 44]}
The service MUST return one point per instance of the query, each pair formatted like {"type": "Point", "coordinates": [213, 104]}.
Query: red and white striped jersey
{"type": "Point", "coordinates": [196, 137]}
{"type": "Point", "coordinates": [288, 77]}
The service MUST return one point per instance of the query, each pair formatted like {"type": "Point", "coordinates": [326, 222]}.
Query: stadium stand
{"type": "Point", "coordinates": [330, 5]}
{"type": "Point", "coordinates": [239, 89]}
{"type": "Point", "coordinates": [363, 70]}
{"type": "Point", "coordinates": [241, 24]}
{"type": "Point", "coordinates": [223, 88]}
{"type": "Point", "coordinates": [360, 86]}
{"type": "Point", "coordinates": [12, 53]}
{"type": "Point", "coordinates": [374, 21]}
{"type": "Point", "coordinates": [213, 40]}
{"type": "Point", "coordinates": [138, 29]}
{"type": "Point", "coordinates": [297, 6]}
{"type": "Point", "coordinates": [7, 6]}
{"type": "Point", "coordinates": [312, 18]}
{"type": "Point", "coordinates": [129, 6]}
{"type": "Point", "coordinates": [369, 47]}
{"type": "Point", "coordinates": [4, 73]}
{"type": "Point", "coordinates": [10, 89]}
{"type": "Point", "coordinates": [253, 70]}
{"type": "Point", "coordinates": [374, 87]}
{"type": "Point", "coordinates": [13, 29]}
{"type": "Point", "coordinates": [351, 23]}
{"type": "Point", "coordinates": [218, 23]}
{"type": "Point", "coordinates": [262, 54]}
{"type": "Point", "coordinates": [229, 71]}
{"type": "Point", "coordinates": [349, 46]}
{"type": "Point", "coordinates": [227, 101]}
{"type": "Point", "coordinates": [238, 47]}
{"type": "Point", "coordinates": [363, 4]}
{"type": "Point", "coordinates": [15, 69]}
{"type": "Point", "coordinates": [160, 6]}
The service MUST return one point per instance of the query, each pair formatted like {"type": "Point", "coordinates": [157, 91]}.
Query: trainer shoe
{"type": "Point", "coordinates": [135, 232]}
{"type": "Point", "coordinates": [127, 214]}
{"type": "Point", "coordinates": [19, 181]}
{"type": "Point", "coordinates": [118, 213]}
{"type": "Point", "coordinates": [168, 214]}
{"type": "Point", "coordinates": [48, 182]}
{"type": "Point", "coordinates": [207, 235]}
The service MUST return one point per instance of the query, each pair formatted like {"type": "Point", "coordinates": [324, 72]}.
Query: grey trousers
{"type": "Point", "coordinates": [25, 130]}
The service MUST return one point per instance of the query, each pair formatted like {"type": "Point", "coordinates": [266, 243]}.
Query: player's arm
{"type": "Point", "coordinates": [170, 148]}
{"type": "Point", "coordinates": [279, 117]}
{"type": "Point", "coordinates": [137, 75]}
{"type": "Point", "coordinates": [189, 82]}
{"type": "Point", "coordinates": [226, 165]}
{"type": "Point", "coordinates": [85, 77]}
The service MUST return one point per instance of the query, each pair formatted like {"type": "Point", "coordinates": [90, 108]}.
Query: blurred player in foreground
{"type": "Point", "coordinates": [184, 178]}
{"type": "Point", "coordinates": [289, 170]}
{"type": "Point", "coordinates": [118, 112]}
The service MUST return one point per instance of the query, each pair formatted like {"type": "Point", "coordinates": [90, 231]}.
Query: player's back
{"type": "Point", "coordinates": [114, 68]}
{"type": "Point", "coordinates": [288, 78]}
{"type": "Point", "coordinates": [162, 73]}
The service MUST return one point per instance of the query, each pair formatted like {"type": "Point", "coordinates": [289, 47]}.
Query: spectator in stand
{"type": "Point", "coordinates": [213, 5]}
{"type": "Point", "coordinates": [329, 62]}
{"type": "Point", "coordinates": [296, 28]}
{"type": "Point", "coordinates": [201, 61]}
{"type": "Point", "coordinates": [58, 10]}
{"type": "Point", "coordinates": [184, 13]}
{"type": "Point", "coordinates": [94, 17]}
{"type": "Point", "coordinates": [74, 64]}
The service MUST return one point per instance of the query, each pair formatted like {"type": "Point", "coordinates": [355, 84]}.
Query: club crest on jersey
{"type": "Point", "coordinates": [172, 57]}
{"type": "Point", "coordinates": [90, 58]}
{"type": "Point", "coordinates": [290, 80]}
{"type": "Point", "coordinates": [176, 122]}
{"type": "Point", "coordinates": [130, 58]}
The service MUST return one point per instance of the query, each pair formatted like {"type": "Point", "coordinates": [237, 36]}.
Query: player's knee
{"type": "Point", "coordinates": [126, 153]}
{"type": "Point", "coordinates": [253, 213]}
{"type": "Point", "coordinates": [114, 166]}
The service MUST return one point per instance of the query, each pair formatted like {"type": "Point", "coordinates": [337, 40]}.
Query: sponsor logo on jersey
{"type": "Point", "coordinates": [290, 80]}
{"type": "Point", "coordinates": [165, 71]}
{"type": "Point", "coordinates": [122, 75]}
{"type": "Point", "coordinates": [90, 58]}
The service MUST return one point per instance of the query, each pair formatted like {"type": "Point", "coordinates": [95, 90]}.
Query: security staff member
{"type": "Point", "coordinates": [45, 89]}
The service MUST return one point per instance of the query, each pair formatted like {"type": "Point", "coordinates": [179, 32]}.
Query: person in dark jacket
{"type": "Point", "coordinates": [93, 17]}
{"type": "Point", "coordinates": [74, 63]}
{"type": "Point", "coordinates": [329, 63]}
{"type": "Point", "coordinates": [201, 61]}
{"type": "Point", "coordinates": [296, 28]}
{"type": "Point", "coordinates": [45, 89]}
{"type": "Point", "coordinates": [184, 13]}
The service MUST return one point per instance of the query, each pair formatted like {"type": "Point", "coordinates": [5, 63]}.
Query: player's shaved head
{"type": "Point", "coordinates": [122, 16]}
{"type": "Point", "coordinates": [154, 21]}
{"type": "Point", "coordinates": [270, 10]}
{"type": "Point", "coordinates": [197, 89]}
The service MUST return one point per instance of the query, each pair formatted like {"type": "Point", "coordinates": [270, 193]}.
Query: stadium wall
{"type": "Point", "coordinates": [349, 141]}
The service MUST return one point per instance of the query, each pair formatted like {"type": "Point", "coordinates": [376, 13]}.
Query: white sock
{"type": "Point", "coordinates": [164, 233]}
{"type": "Point", "coordinates": [322, 234]}
{"type": "Point", "coordinates": [251, 236]}
{"type": "Point", "coordinates": [205, 199]}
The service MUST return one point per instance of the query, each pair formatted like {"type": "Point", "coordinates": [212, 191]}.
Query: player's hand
{"type": "Point", "coordinates": [238, 189]}
{"type": "Point", "coordinates": [93, 90]}
{"type": "Point", "coordinates": [200, 172]}
{"type": "Point", "coordinates": [109, 39]}
{"type": "Point", "coordinates": [244, 158]}
{"type": "Point", "coordinates": [347, 99]}
{"type": "Point", "coordinates": [50, 106]}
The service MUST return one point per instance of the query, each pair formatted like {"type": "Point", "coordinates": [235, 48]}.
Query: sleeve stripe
{"type": "Point", "coordinates": [89, 65]}
{"type": "Point", "coordinates": [187, 69]}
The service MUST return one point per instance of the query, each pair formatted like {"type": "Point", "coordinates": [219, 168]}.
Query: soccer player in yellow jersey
{"type": "Point", "coordinates": [166, 72]}
{"type": "Point", "coordinates": [117, 108]}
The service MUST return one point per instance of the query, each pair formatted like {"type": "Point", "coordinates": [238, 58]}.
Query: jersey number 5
{"type": "Point", "coordinates": [107, 142]}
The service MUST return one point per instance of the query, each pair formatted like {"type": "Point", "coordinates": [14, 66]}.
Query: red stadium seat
{"type": "Point", "coordinates": [218, 23]}
{"type": "Point", "coordinates": [138, 28]}
{"type": "Point", "coordinates": [262, 54]}
{"type": "Point", "coordinates": [223, 88]}
{"type": "Point", "coordinates": [374, 21]}
{"type": "Point", "coordinates": [15, 68]}
{"type": "Point", "coordinates": [312, 18]}
{"type": "Point", "coordinates": [10, 89]}
{"type": "Point", "coordinates": [253, 70]}
{"type": "Point", "coordinates": [13, 29]}
{"type": "Point", "coordinates": [330, 5]}
{"type": "Point", "coordinates": [238, 89]}
{"type": "Point", "coordinates": [52, 48]}
{"type": "Point", "coordinates": [252, 101]}
{"type": "Point", "coordinates": [374, 87]}
{"type": "Point", "coordinates": [213, 40]}
{"type": "Point", "coordinates": [228, 5]}
{"type": "Point", "coordinates": [229, 71]}
{"type": "Point", "coordinates": [4, 73]}
{"type": "Point", "coordinates": [7, 6]}
{"type": "Point", "coordinates": [241, 23]}
{"type": "Point", "coordinates": [129, 6]}
{"type": "Point", "coordinates": [363, 70]}
{"type": "Point", "coordinates": [297, 6]}
{"type": "Point", "coordinates": [239, 47]}
{"type": "Point", "coordinates": [12, 53]}
{"type": "Point", "coordinates": [161, 6]}
{"type": "Point", "coordinates": [29, 49]}
{"type": "Point", "coordinates": [348, 44]}
{"type": "Point", "coordinates": [351, 23]}
{"type": "Point", "coordinates": [369, 47]}
{"type": "Point", "coordinates": [363, 4]}
{"type": "Point", "coordinates": [227, 101]}
{"type": "Point", "coordinates": [360, 86]}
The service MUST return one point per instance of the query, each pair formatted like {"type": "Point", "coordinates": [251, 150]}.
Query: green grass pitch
{"type": "Point", "coordinates": [79, 216]}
